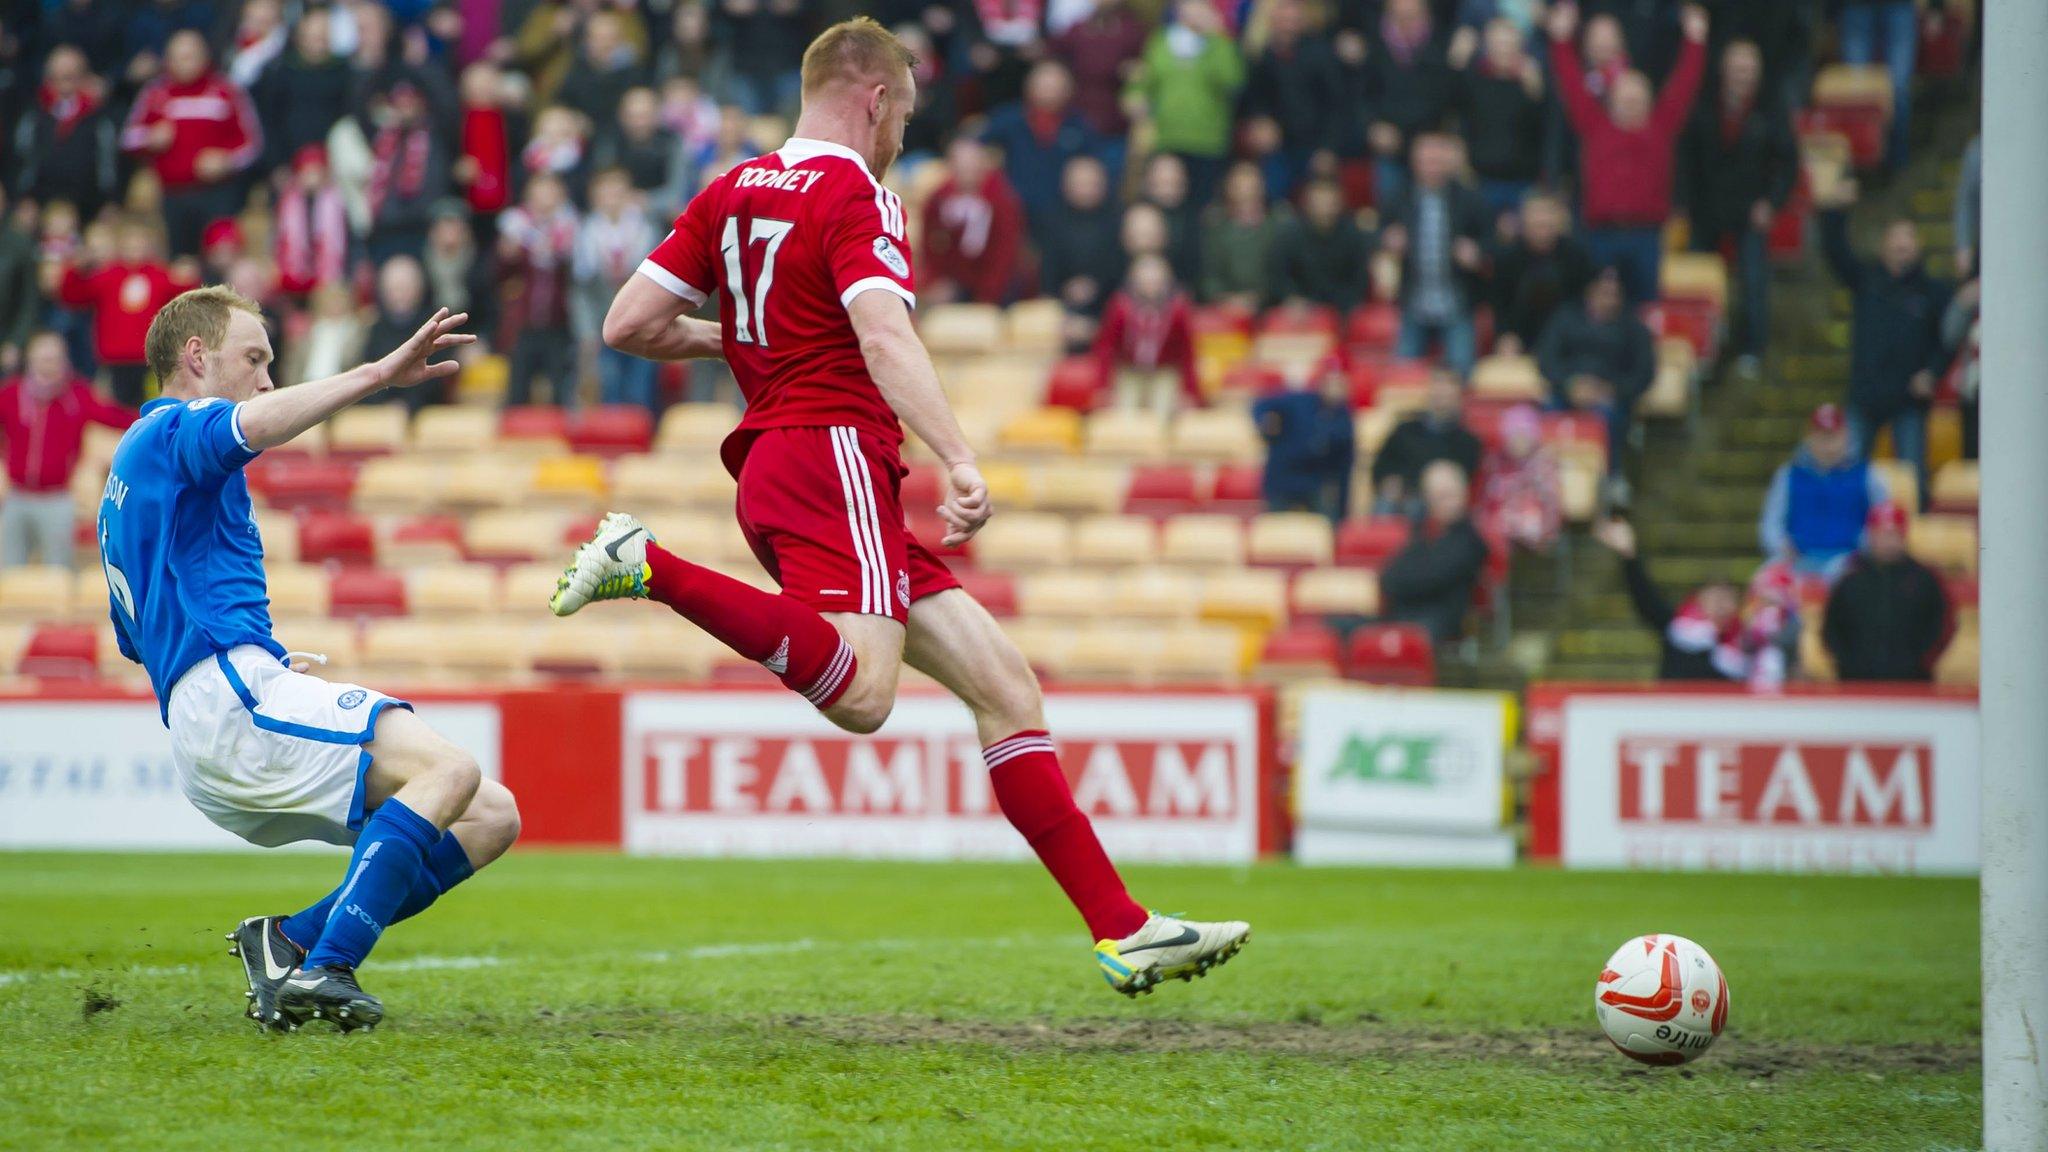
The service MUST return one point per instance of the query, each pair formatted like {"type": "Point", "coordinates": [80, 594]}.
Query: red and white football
{"type": "Point", "coordinates": [1661, 999]}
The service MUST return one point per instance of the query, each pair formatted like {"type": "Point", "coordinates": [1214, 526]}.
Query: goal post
{"type": "Point", "coordinates": [2013, 256]}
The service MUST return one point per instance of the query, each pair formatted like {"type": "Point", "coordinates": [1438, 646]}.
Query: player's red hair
{"type": "Point", "coordinates": [859, 50]}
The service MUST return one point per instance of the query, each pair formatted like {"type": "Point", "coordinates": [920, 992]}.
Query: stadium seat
{"type": "Point", "coordinates": [1696, 320]}
{"type": "Point", "coordinates": [1371, 542]}
{"type": "Point", "coordinates": [1956, 487]}
{"type": "Point", "coordinates": [1200, 654]}
{"type": "Point", "coordinates": [1126, 434]}
{"type": "Point", "coordinates": [689, 531]}
{"type": "Point", "coordinates": [995, 591]}
{"type": "Point", "coordinates": [1370, 429]}
{"type": "Point", "coordinates": [1837, 86]}
{"type": "Point", "coordinates": [445, 430]}
{"type": "Point", "coordinates": [1399, 654]}
{"type": "Point", "coordinates": [695, 428]}
{"type": "Point", "coordinates": [1695, 276]}
{"type": "Point", "coordinates": [484, 650]}
{"type": "Point", "coordinates": [416, 541]}
{"type": "Point", "coordinates": [61, 652]}
{"type": "Point", "coordinates": [1579, 474]}
{"type": "Point", "coordinates": [525, 588]}
{"type": "Point", "coordinates": [1670, 394]}
{"type": "Point", "coordinates": [296, 589]}
{"type": "Point", "coordinates": [665, 646]}
{"type": "Point", "coordinates": [1076, 382]}
{"type": "Point", "coordinates": [1337, 592]}
{"type": "Point", "coordinates": [1240, 490]}
{"type": "Point", "coordinates": [515, 534]}
{"type": "Point", "coordinates": [1901, 483]}
{"type": "Point", "coordinates": [1373, 326]}
{"type": "Point", "coordinates": [1044, 643]}
{"type": "Point", "coordinates": [368, 430]}
{"type": "Point", "coordinates": [569, 482]}
{"type": "Point", "coordinates": [279, 532]}
{"type": "Point", "coordinates": [612, 430]}
{"type": "Point", "coordinates": [405, 649]}
{"type": "Point", "coordinates": [1009, 483]}
{"type": "Point", "coordinates": [1290, 538]}
{"type": "Point", "coordinates": [1944, 542]}
{"type": "Point", "coordinates": [411, 483]}
{"type": "Point", "coordinates": [334, 639]}
{"type": "Point", "coordinates": [89, 596]}
{"type": "Point", "coordinates": [1302, 652]}
{"type": "Point", "coordinates": [1063, 594]}
{"type": "Point", "coordinates": [1161, 490]}
{"type": "Point", "coordinates": [1959, 663]}
{"type": "Point", "coordinates": [1041, 430]}
{"type": "Point", "coordinates": [1203, 540]}
{"type": "Point", "coordinates": [534, 430]}
{"type": "Point", "coordinates": [1079, 486]}
{"type": "Point", "coordinates": [659, 481]}
{"type": "Point", "coordinates": [295, 482]}
{"type": "Point", "coordinates": [35, 592]}
{"type": "Point", "coordinates": [1216, 434]}
{"type": "Point", "coordinates": [1154, 594]}
{"type": "Point", "coordinates": [1004, 383]}
{"type": "Point", "coordinates": [1250, 597]}
{"type": "Point", "coordinates": [1115, 541]}
{"type": "Point", "coordinates": [482, 381]}
{"type": "Point", "coordinates": [961, 329]}
{"type": "Point", "coordinates": [365, 592]}
{"type": "Point", "coordinates": [344, 538]}
{"type": "Point", "coordinates": [1111, 656]}
{"type": "Point", "coordinates": [1509, 378]}
{"type": "Point", "coordinates": [1024, 540]}
{"type": "Point", "coordinates": [1034, 325]}
{"type": "Point", "coordinates": [488, 481]}
{"type": "Point", "coordinates": [454, 590]}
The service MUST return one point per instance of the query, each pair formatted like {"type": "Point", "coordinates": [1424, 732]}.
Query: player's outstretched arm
{"type": "Point", "coordinates": [903, 370]}
{"type": "Point", "coordinates": [646, 320]}
{"type": "Point", "coordinates": [274, 418]}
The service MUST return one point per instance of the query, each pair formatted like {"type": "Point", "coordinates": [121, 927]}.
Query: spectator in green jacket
{"type": "Point", "coordinates": [1237, 241]}
{"type": "Point", "coordinates": [1186, 87]}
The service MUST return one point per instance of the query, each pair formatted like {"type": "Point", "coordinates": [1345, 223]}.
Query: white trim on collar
{"type": "Point", "coordinates": [798, 149]}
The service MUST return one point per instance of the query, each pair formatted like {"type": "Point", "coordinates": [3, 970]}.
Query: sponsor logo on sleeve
{"type": "Point", "coordinates": [886, 252]}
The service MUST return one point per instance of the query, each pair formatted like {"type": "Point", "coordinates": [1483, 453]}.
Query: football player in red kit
{"type": "Point", "coordinates": [810, 252]}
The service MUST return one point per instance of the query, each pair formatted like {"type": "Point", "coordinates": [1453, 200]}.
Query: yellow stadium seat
{"type": "Point", "coordinates": [569, 481]}
{"type": "Point", "coordinates": [517, 533]}
{"type": "Point", "coordinates": [1901, 483]}
{"type": "Point", "coordinates": [1579, 485]}
{"type": "Point", "coordinates": [1041, 430]}
{"type": "Point", "coordinates": [1946, 542]}
{"type": "Point", "coordinates": [1370, 428]}
{"type": "Point", "coordinates": [687, 532]}
{"type": "Point", "coordinates": [448, 429]}
{"type": "Point", "coordinates": [1002, 384]}
{"type": "Point", "coordinates": [1959, 663]}
{"type": "Point", "coordinates": [695, 427]}
{"type": "Point", "coordinates": [14, 636]}
{"type": "Point", "coordinates": [1204, 540]}
{"type": "Point", "coordinates": [666, 646]}
{"type": "Point", "coordinates": [1201, 654]}
{"type": "Point", "coordinates": [1219, 434]}
{"type": "Point", "coordinates": [403, 646]}
{"type": "Point", "coordinates": [584, 644]}
{"type": "Point", "coordinates": [489, 480]}
{"type": "Point", "coordinates": [35, 592]}
{"type": "Point", "coordinates": [1337, 592]}
{"type": "Point", "coordinates": [1401, 400]}
{"type": "Point", "coordinates": [453, 590]}
{"type": "Point", "coordinates": [1290, 538]}
{"type": "Point", "coordinates": [1127, 434]}
{"type": "Point", "coordinates": [313, 441]}
{"type": "Point", "coordinates": [1063, 594]}
{"type": "Point", "coordinates": [334, 639]}
{"type": "Point", "coordinates": [1956, 485]}
{"type": "Point", "coordinates": [961, 329]}
{"type": "Point", "coordinates": [368, 428]}
{"type": "Point", "coordinates": [1670, 394]}
{"type": "Point", "coordinates": [1296, 351]}
{"type": "Point", "coordinates": [1695, 276]}
{"type": "Point", "coordinates": [482, 380]}
{"type": "Point", "coordinates": [1111, 656]}
{"type": "Point", "coordinates": [1815, 661]}
{"type": "Point", "coordinates": [1509, 378]}
{"type": "Point", "coordinates": [279, 532]}
{"type": "Point", "coordinates": [1009, 484]}
{"type": "Point", "coordinates": [1839, 84]}
{"type": "Point", "coordinates": [89, 597]}
{"type": "Point", "coordinates": [1252, 597]}
{"type": "Point", "coordinates": [649, 481]}
{"type": "Point", "coordinates": [1155, 594]}
{"type": "Point", "coordinates": [526, 587]}
{"type": "Point", "coordinates": [1024, 540]}
{"type": "Point", "coordinates": [1115, 541]}
{"type": "Point", "coordinates": [1035, 325]}
{"type": "Point", "coordinates": [400, 483]}
{"type": "Point", "coordinates": [296, 589]}
{"type": "Point", "coordinates": [1079, 486]}
{"type": "Point", "coordinates": [484, 650]}
{"type": "Point", "coordinates": [1044, 643]}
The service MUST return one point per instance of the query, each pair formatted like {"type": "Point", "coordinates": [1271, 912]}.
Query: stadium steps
{"type": "Point", "coordinates": [1696, 510]}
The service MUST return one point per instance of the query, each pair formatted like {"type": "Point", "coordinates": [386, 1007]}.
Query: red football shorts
{"type": "Point", "coordinates": [821, 509]}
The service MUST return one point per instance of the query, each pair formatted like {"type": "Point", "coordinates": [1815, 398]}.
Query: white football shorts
{"type": "Point", "coordinates": [270, 754]}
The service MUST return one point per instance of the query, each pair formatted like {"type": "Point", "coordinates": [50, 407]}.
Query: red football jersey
{"type": "Point", "coordinates": [791, 238]}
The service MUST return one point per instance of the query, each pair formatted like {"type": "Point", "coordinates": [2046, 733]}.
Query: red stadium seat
{"type": "Point", "coordinates": [1240, 490]}
{"type": "Point", "coordinates": [612, 430]}
{"type": "Point", "coordinates": [293, 483]}
{"type": "Point", "coordinates": [1373, 326]}
{"type": "Point", "coordinates": [534, 422]}
{"type": "Point", "coordinates": [1076, 383]}
{"type": "Point", "coordinates": [1697, 321]}
{"type": "Point", "coordinates": [1399, 654]}
{"type": "Point", "coordinates": [364, 592]}
{"type": "Point", "coordinates": [1944, 45]}
{"type": "Point", "coordinates": [1862, 124]}
{"type": "Point", "coordinates": [61, 652]}
{"type": "Point", "coordinates": [428, 530]}
{"type": "Point", "coordinates": [1250, 378]}
{"type": "Point", "coordinates": [1364, 372]}
{"type": "Point", "coordinates": [1302, 644]}
{"type": "Point", "coordinates": [1483, 419]}
{"type": "Point", "coordinates": [1313, 320]}
{"type": "Point", "coordinates": [1232, 318]}
{"type": "Point", "coordinates": [343, 538]}
{"type": "Point", "coordinates": [1371, 543]}
{"type": "Point", "coordinates": [1161, 490]}
{"type": "Point", "coordinates": [923, 488]}
{"type": "Point", "coordinates": [1405, 373]}
{"type": "Point", "coordinates": [997, 591]}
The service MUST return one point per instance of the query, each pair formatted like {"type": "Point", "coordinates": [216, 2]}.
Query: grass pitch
{"type": "Point", "coordinates": [571, 1001]}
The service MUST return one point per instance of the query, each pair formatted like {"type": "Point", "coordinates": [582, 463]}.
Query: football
{"type": "Point", "coordinates": [1661, 999]}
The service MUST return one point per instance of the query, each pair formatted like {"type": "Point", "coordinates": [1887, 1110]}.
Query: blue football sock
{"type": "Point", "coordinates": [447, 866]}
{"type": "Point", "coordinates": [390, 858]}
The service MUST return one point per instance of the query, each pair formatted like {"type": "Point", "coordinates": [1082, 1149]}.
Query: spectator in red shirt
{"type": "Point", "coordinates": [200, 131]}
{"type": "Point", "coordinates": [484, 166]}
{"type": "Point", "coordinates": [972, 224]}
{"type": "Point", "coordinates": [1101, 49]}
{"type": "Point", "coordinates": [123, 289]}
{"type": "Point", "coordinates": [43, 414]}
{"type": "Point", "coordinates": [1146, 344]}
{"type": "Point", "coordinates": [536, 251]}
{"type": "Point", "coordinates": [1627, 149]}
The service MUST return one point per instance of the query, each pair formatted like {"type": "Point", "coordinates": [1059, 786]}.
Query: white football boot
{"type": "Point", "coordinates": [611, 565]}
{"type": "Point", "coordinates": [1167, 948]}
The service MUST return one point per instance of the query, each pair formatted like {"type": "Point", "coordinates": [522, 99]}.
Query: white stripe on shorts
{"type": "Point", "coordinates": [860, 517]}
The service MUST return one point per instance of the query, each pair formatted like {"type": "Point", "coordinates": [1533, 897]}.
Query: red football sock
{"type": "Point", "coordinates": [776, 631]}
{"type": "Point", "coordinates": [1033, 793]}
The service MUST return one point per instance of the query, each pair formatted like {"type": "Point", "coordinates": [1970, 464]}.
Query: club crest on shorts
{"type": "Point", "coordinates": [886, 252]}
{"type": "Point", "coordinates": [903, 587]}
{"type": "Point", "coordinates": [352, 698]}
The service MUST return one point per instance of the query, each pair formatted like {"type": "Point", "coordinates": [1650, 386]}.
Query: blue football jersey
{"type": "Point", "coordinates": [178, 540]}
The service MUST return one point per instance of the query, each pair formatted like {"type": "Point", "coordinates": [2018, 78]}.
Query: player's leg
{"type": "Point", "coordinates": [955, 641]}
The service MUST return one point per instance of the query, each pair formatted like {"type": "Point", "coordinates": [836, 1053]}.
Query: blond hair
{"type": "Point", "coordinates": [856, 49]}
{"type": "Point", "coordinates": [202, 312]}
